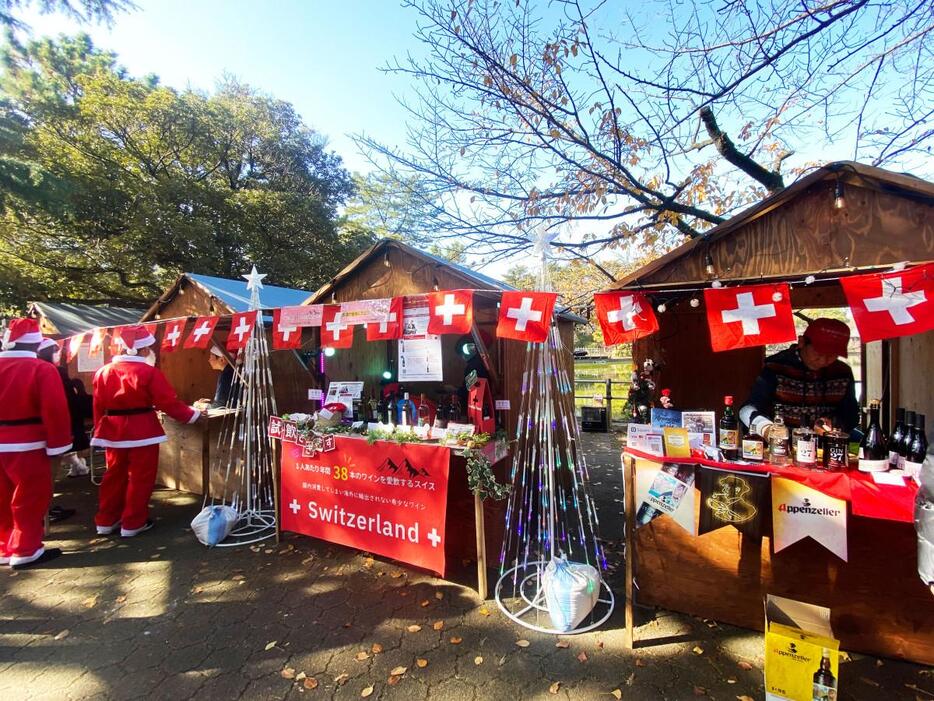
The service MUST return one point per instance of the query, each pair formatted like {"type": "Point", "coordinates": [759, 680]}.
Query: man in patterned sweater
{"type": "Point", "coordinates": [806, 383]}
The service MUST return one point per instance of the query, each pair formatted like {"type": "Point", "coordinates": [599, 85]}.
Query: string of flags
{"type": "Point", "coordinates": [884, 305]}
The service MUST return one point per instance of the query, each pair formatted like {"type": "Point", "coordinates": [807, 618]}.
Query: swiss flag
{"type": "Point", "coordinates": [284, 336]}
{"type": "Point", "coordinates": [97, 342]}
{"type": "Point", "coordinates": [201, 332]}
{"type": "Point", "coordinates": [391, 327]}
{"type": "Point", "coordinates": [624, 316]}
{"type": "Point", "coordinates": [525, 316]}
{"type": "Point", "coordinates": [73, 346]}
{"type": "Point", "coordinates": [172, 336]}
{"type": "Point", "coordinates": [115, 347]}
{"type": "Point", "coordinates": [886, 305]}
{"type": "Point", "coordinates": [450, 311]}
{"type": "Point", "coordinates": [241, 328]}
{"type": "Point", "coordinates": [335, 333]}
{"type": "Point", "coordinates": [757, 315]}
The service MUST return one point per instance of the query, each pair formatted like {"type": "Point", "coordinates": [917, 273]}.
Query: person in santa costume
{"type": "Point", "coordinates": [79, 407]}
{"type": "Point", "coordinates": [34, 426]}
{"type": "Point", "coordinates": [127, 392]}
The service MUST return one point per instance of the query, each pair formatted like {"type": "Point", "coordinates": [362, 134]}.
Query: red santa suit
{"type": "Point", "coordinates": [34, 424]}
{"type": "Point", "coordinates": [127, 393]}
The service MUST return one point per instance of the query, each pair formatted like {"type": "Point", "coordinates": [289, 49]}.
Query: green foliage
{"type": "Point", "coordinates": [113, 185]}
{"type": "Point", "coordinates": [80, 10]}
{"type": "Point", "coordinates": [480, 478]}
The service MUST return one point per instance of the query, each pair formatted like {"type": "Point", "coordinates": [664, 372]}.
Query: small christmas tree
{"type": "Point", "coordinates": [641, 393]}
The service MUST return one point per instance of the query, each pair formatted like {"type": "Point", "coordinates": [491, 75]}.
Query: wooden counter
{"type": "Point", "coordinates": [185, 459]}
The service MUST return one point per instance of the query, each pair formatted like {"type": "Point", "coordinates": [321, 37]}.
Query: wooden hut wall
{"type": "Point", "coordinates": [913, 362]}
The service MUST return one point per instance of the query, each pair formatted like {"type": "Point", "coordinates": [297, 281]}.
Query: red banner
{"type": "Point", "coordinates": [386, 498]}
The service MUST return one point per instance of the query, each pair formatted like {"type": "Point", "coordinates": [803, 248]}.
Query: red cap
{"type": "Point", "coordinates": [22, 331]}
{"type": "Point", "coordinates": [828, 336]}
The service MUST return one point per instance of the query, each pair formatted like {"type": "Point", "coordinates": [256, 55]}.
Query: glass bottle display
{"type": "Point", "coordinates": [873, 450]}
{"type": "Point", "coordinates": [804, 445]}
{"type": "Point", "coordinates": [729, 431]}
{"type": "Point", "coordinates": [779, 443]}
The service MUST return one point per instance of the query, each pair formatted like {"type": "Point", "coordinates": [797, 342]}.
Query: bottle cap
{"type": "Point", "coordinates": [728, 400]}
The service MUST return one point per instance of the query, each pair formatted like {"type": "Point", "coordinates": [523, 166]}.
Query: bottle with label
{"type": "Point", "coordinates": [917, 450]}
{"type": "Point", "coordinates": [825, 684]}
{"type": "Point", "coordinates": [779, 444]}
{"type": "Point", "coordinates": [905, 443]}
{"type": "Point", "coordinates": [836, 450]}
{"type": "Point", "coordinates": [441, 416]}
{"type": "Point", "coordinates": [454, 410]}
{"type": "Point", "coordinates": [873, 451]}
{"type": "Point", "coordinates": [898, 432]}
{"type": "Point", "coordinates": [382, 410]}
{"type": "Point", "coordinates": [424, 412]}
{"type": "Point", "coordinates": [406, 411]}
{"type": "Point", "coordinates": [729, 431]}
{"type": "Point", "coordinates": [753, 447]}
{"type": "Point", "coordinates": [804, 444]}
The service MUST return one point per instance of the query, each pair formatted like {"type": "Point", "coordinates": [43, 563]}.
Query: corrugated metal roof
{"type": "Point", "coordinates": [71, 319]}
{"type": "Point", "coordinates": [235, 295]}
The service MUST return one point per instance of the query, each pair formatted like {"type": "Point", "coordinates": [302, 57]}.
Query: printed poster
{"type": "Point", "coordinates": [88, 362]}
{"type": "Point", "coordinates": [389, 498]}
{"type": "Point", "coordinates": [668, 491]}
{"type": "Point", "coordinates": [419, 352]}
{"type": "Point", "coordinates": [798, 511]}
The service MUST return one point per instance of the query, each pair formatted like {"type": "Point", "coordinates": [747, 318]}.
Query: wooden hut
{"type": "Point", "coordinates": [391, 268]}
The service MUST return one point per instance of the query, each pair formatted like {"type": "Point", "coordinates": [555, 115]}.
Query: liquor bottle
{"type": "Point", "coordinates": [382, 411]}
{"type": "Point", "coordinates": [729, 431]}
{"type": "Point", "coordinates": [646, 513]}
{"type": "Point", "coordinates": [918, 449]}
{"type": "Point", "coordinates": [424, 412]}
{"type": "Point", "coordinates": [779, 444]}
{"type": "Point", "coordinates": [896, 437]}
{"type": "Point", "coordinates": [873, 453]}
{"type": "Point", "coordinates": [905, 444]}
{"type": "Point", "coordinates": [825, 685]}
{"type": "Point", "coordinates": [753, 447]}
{"type": "Point", "coordinates": [406, 411]}
{"type": "Point", "coordinates": [441, 416]}
{"type": "Point", "coordinates": [454, 410]}
{"type": "Point", "coordinates": [804, 443]}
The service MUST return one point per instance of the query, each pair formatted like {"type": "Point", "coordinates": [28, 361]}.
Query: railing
{"type": "Point", "coordinates": [602, 397]}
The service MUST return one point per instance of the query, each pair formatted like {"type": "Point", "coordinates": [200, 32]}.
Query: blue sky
{"type": "Point", "coordinates": [322, 56]}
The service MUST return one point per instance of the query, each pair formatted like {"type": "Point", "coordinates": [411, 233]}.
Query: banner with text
{"type": "Point", "coordinates": [798, 511]}
{"type": "Point", "coordinates": [389, 499]}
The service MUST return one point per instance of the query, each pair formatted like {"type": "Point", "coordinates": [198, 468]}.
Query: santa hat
{"type": "Point", "coordinates": [21, 331]}
{"type": "Point", "coordinates": [47, 343]}
{"type": "Point", "coordinates": [135, 337]}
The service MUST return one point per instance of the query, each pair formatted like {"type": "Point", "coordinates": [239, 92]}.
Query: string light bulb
{"type": "Point", "coordinates": [708, 265]}
{"type": "Point", "coordinates": [662, 308]}
{"type": "Point", "coordinates": [777, 296]}
{"type": "Point", "coordinates": [839, 201]}
{"type": "Point", "coordinates": [695, 302]}
{"type": "Point", "coordinates": [716, 284]}
{"type": "Point", "coordinates": [809, 280]}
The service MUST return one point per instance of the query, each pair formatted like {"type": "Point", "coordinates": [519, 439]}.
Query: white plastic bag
{"type": "Point", "coordinates": [214, 523]}
{"type": "Point", "coordinates": [571, 591]}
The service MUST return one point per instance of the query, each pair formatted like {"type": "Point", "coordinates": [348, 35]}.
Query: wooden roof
{"type": "Point", "coordinates": [888, 217]}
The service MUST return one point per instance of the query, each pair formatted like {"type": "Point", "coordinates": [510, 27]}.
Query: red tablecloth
{"type": "Point", "coordinates": [865, 496]}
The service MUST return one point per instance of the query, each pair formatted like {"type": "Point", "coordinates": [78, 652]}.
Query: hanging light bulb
{"type": "Point", "coordinates": [386, 260]}
{"type": "Point", "coordinates": [716, 284]}
{"type": "Point", "coordinates": [777, 296]}
{"type": "Point", "coordinates": [662, 308]}
{"type": "Point", "coordinates": [329, 352]}
{"type": "Point", "coordinates": [839, 202]}
{"type": "Point", "coordinates": [809, 280]}
{"type": "Point", "coordinates": [695, 302]}
{"type": "Point", "coordinates": [708, 265]}
{"type": "Point", "coordinates": [435, 285]}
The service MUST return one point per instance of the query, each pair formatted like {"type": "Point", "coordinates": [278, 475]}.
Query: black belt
{"type": "Point", "coordinates": [21, 422]}
{"type": "Point", "coordinates": [128, 412]}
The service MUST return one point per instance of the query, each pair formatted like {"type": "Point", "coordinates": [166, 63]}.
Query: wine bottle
{"type": "Point", "coordinates": [729, 431]}
{"type": "Point", "coordinates": [424, 412]}
{"type": "Point", "coordinates": [896, 437]}
{"type": "Point", "coordinates": [918, 449]}
{"type": "Point", "coordinates": [873, 453]}
{"type": "Point", "coordinates": [905, 444]}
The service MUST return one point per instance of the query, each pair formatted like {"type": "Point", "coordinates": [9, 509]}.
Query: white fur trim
{"type": "Point", "coordinates": [131, 351]}
{"type": "Point", "coordinates": [21, 447]}
{"type": "Point", "coordinates": [4, 560]}
{"type": "Point", "coordinates": [47, 343]}
{"type": "Point", "coordinates": [32, 337]}
{"type": "Point", "coordinates": [195, 416]}
{"type": "Point", "coordinates": [24, 559]}
{"type": "Point", "coordinates": [144, 342]}
{"type": "Point", "coordinates": [105, 443]}
{"type": "Point", "coordinates": [58, 451]}
{"type": "Point", "coordinates": [17, 354]}
{"type": "Point", "coordinates": [127, 359]}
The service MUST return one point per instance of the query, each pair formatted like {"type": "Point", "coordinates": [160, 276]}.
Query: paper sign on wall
{"type": "Point", "coordinates": [316, 394]}
{"type": "Point", "coordinates": [502, 405]}
{"type": "Point", "coordinates": [798, 511]}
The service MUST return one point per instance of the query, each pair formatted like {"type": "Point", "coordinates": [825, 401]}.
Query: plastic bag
{"type": "Point", "coordinates": [571, 591]}
{"type": "Point", "coordinates": [214, 523]}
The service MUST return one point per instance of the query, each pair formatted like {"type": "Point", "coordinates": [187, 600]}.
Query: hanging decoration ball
{"type": "Point", "coordinates": [809, 280]}
{"type": "Point", "coordinates": [695, 302]}
{"type": "Point", "coordinates": [716, 284]}
{"type": "Point", "coordinates": [662, 308]}
{"type": "Point", "coordinates": [776, 296]}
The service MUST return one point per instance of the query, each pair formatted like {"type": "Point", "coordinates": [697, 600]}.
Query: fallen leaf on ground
{"type": "Point", "coordinates": [288, 673]}
{"type": "Point", "coordinates": [62, 635]}
{"type": "Point", "coordinates": [478, 660]}
{"type": "Point", "coordinates": [120, 599]}
{"type": "Point", "coordinates": [744, 698]}
{"type": "Point", "coordinates": [310, 683]}
{"type": "Point", "coordinates": [731, 680]}
{"type": "Point", "coordinates": [368, 691]}
{"type": "Point", "coordinates": [630, 679]}
{"type": "Point", "coordinates": [617, 694]}
{"type": "Point", "coordinates": [563, 644]}
{"type": "Point", "coordinates": [640, 662]}
{"type": "Point", "coordinates": [393, 680]}
{"type": "Point", "coordinates": [414, 628]}
{"type": "Point", "coordinates": [455, 640]}
{"type": "Point", "coordinates": [742, 664]}
{"type": "Point", "coordinates": [270, 645]}
{"type": "Point", "coordinates": [426, 603]}
{"type": "Point", "coordinates": [307, 560]}
{"type": "Point", "coordinates": [582, 656]}
{"type": "Point", "coordinates": [398, 671]}
{"type": "Point", "coordinates": [368, 563]}
{"type": "Point", "coordinates": [90, 602]}
{"type": "Point", "coordinates": [700, 691]}
{"type": "Point", "coordinates": [522, 643]}
{"type": "Point", "coordinates": [421, 662]}
{"type": "Point", "coordinates": [376, 648]}
{"type": "Point", "coordinates": [698, 650]}
{"type": "Point", "coordinates": [439, 595]}
{"type": "Point", "coordinates": [238, 578]}
{"type": "Point", "coordinates": [396, 574]}
{"type": "Point", "coordinates": [553, 689]}
{"type": "Point", "coordinates": [484, 611]}
{"type": "Point", "coordinates": [363, 655]}
{"type": "Point", "coordinates": [867, 680]}
{"type": "Point", "coordinates": [438, 625]}
{"type": "Point", "coordinates": [300, 676]}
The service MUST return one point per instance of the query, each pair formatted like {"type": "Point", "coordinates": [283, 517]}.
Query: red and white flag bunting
{"type": "Point", "coordinates": [241, 328]}
{"type": "Point", "coordinates": [525, 316]}
{"type": "Point", "coordinates": [887, 305]}
{"type": "Point", "coordinates": [624, 316]}
{"type": "Point", "coordinates": [335, 332]}
{"type": "Point", "coordinates": [450, 312]}
{"type": "Point", "coordinates": [201, 332]}
{"type": "Point", "coordinates": [172, 335]}
{"type": "Point", "coordinates": [390, 327]}
{"type": "Point", "coordinates": [285, 335]}
{"type": "Point", "coordinates": [755, 315]}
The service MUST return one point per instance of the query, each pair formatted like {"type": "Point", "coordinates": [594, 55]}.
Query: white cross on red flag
{"type": "Point", "coordinates": [97, 342]}
{"type": "Point", "coordinates": [891, 304]}
{"type": "Point", "coordinates": [285, 335]}
{"type": "Point", "coordinates": [172, 335]}
{"type": "Point", "coordinates": [390, 327]}
{"type": "Point", "coordinates": [335, 332]}
{"type": "Point", "coordinates": [525, 316]}
{"type": "Point", "coordinates": [241, 328]}
{"type": "Point", "coordinates": [624, 316]}
{"type": "Point", "coordinates": [201, 333]}
{"type": "Point", "coordinates": [753, 315]}
{"type": "Point", "coordinates": [450, 311]}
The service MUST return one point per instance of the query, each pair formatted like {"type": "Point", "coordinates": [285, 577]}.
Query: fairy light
{"type": "Point", "coordinates": [695, 302]}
